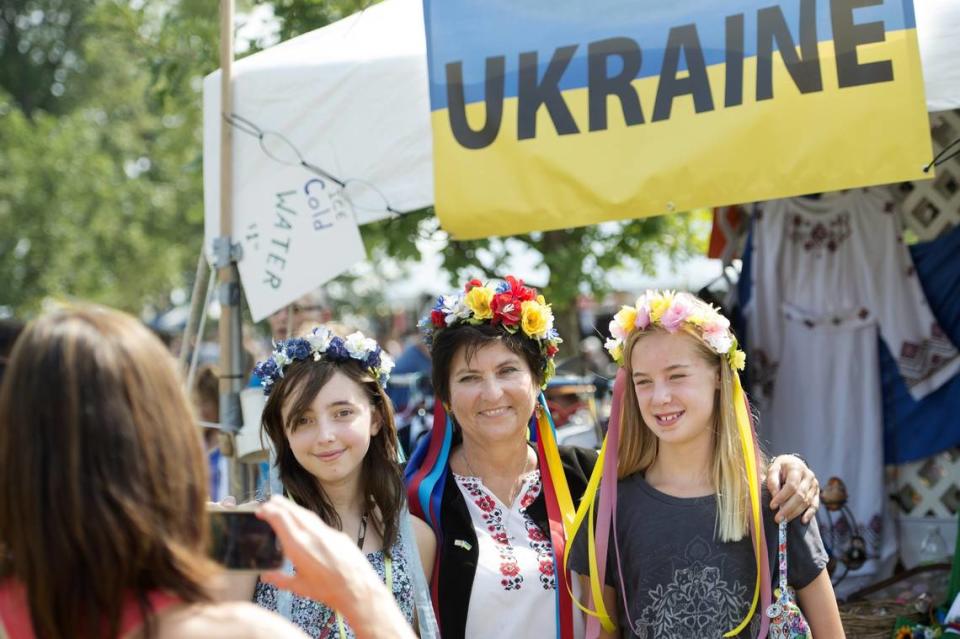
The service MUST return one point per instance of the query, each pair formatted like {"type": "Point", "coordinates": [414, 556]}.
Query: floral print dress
{"type": "Point", "coordinates": [320, 621]}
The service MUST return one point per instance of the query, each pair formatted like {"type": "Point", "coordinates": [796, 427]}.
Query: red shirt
{"type": "Point", "coordinates": [15, 613]}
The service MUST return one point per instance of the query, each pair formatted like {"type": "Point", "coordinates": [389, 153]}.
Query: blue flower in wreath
{"type": "Point", "coordinates": [337, 350]}
{"type": "Point", "coordinates": [373, 359]}
{"type": "Point", "coordinates": [266, 370]}
{"type": "Point", "coordinates": [298, 348]}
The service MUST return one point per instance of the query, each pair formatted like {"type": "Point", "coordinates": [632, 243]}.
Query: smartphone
{"type": "Point", "coordinates": [240, 541]}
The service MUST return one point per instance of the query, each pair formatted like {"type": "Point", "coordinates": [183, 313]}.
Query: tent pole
{"type": "Point", "coordinates": [197, 297]}
{"type": "Point", "coordinates": [227, 256]}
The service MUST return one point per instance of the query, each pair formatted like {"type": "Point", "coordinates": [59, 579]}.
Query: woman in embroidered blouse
{"type": "Point", "coordinates": [494, 499]}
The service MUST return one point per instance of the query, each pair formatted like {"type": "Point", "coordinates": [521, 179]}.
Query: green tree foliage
{"type": "Point", "coordinates": [100, 173]}
{"type": "Point", "coordinates": [40, 52]}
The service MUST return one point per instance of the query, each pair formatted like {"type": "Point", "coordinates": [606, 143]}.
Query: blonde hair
{"type": "Point", "coordinates": [639, 444]}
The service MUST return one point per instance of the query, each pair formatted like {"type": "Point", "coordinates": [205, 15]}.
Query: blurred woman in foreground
{"type": "Point", "coordinates": [103, 529]}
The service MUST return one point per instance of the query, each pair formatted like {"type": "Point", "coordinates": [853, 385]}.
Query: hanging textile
{"type": "Point", "coordinates": [915, 429]}
{"type": "Point", "coordinates": [829, 275]}
{"type": "Point", "coordinates": [912, 428]}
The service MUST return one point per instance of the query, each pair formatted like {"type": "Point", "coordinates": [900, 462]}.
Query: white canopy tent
{"type": "Point", "coordinates": [352, 97]}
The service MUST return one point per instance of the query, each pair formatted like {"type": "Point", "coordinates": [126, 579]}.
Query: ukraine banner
{"type": "Point", "coordinates": [550, 114]}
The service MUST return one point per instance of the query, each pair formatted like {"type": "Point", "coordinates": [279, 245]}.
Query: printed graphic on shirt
{"type": "Point", "coordinates": [698, 602]}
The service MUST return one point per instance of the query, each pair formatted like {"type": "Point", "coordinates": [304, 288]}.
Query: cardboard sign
{"type": "Point", "coordinates": [297, 230]}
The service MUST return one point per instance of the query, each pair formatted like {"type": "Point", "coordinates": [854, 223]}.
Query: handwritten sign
{"type": "Point", "coordinates": [296, 235]}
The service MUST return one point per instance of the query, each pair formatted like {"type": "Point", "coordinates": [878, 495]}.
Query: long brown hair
{"type": "Point", "coordinates": [102, 474]}
{"type": "Point", "coordinates": [381, 476]}
{"type": "Point", "coordinates": [639, 445]}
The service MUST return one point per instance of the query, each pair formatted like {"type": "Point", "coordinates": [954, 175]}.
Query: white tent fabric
{"type": "Point", "coordinates": [353, 98]}
{"type": "Point", "coordinates": [938, 30]}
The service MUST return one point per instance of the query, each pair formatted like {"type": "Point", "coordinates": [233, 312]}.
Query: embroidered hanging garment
{"type": "Point", "coordinates": [829, 274]}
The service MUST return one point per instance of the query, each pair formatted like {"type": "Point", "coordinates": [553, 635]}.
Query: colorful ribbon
{"type": "Point", "coordinates": [560, 513]}
{"type": "Point", "coordinates": [425, 476]}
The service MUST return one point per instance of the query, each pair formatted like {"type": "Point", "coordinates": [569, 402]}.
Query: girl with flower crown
{"type": "Point", "coordinates": [332, 427]}
{"type": "Point", "coordinates": [692, 534]}
{"type": "Point", "coordinates": [491, 481]}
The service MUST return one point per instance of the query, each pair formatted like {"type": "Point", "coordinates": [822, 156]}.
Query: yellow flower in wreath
{"type": "Point", "coordinates": [478, 300]}
{"type": "Point", "coordinates": [659, 306]}
{"type": "Point", "coordinates": [535, 319]}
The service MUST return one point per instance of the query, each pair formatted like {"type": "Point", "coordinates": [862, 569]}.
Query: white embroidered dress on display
{"type": "Point", "coordinates": [828, 275]}
{"type": "Point", "coordinates": [514, 590]}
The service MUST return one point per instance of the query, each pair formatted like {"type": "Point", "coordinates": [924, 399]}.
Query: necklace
{"type": "Point", "coordinates": [362, 533]}
{"type": "Point", "coordinates": [387, 566]}
{"type": "Point", "coordinates": [517, 486]}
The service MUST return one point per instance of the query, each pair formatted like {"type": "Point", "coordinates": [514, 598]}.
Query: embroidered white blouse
{"type": "Point", "coordinates": [514, 590]}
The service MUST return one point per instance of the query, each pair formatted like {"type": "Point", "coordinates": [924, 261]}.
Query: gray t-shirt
{"type": "Point", "coordinates": [680, 581]}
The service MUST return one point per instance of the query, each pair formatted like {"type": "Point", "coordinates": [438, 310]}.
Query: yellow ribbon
{"type": "Point", "coordinates": [586, 510]}
{"type": "Point", "coordinates": [749, 455]}
{"type": "Point", "coordinates": [573, 518]}
{"type": "Point", "coordinates": [555, 468]}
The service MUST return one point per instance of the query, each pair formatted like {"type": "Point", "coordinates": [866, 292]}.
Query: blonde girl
{"type": "Point", "coordinates": [692, 538]}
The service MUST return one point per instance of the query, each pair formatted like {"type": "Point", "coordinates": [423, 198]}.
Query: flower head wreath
{"type": "Point", "coordinates": [319, 345]}
{"type": "Point", "coordinates": [674, 312]}
{"type": "Point", "coordinates": [510, 305]}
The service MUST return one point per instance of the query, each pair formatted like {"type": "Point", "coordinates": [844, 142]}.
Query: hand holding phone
{"type": "Point", "coordinates": [241, 541]}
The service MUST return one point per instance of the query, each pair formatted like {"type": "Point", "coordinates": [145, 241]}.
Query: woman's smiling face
{"type": "Point", "coordinates": [492, 393]}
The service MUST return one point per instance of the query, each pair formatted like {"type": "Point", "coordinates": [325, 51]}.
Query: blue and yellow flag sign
{"type": "Point", "coordinates": [555, 113]}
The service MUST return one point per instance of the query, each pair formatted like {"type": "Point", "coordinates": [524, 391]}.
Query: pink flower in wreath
{"type": "Point", "coordinates": [716, 332]}
{"type": "Point", "coordinates": [675, 316]}
{"type": "Point", "coordinates": [509, 568]}
{"type": "Point", "coordinates": [643, 317]}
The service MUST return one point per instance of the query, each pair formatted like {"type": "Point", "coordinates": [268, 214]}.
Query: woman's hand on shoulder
{"type": "Point", "coordinates": [794, 489]}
